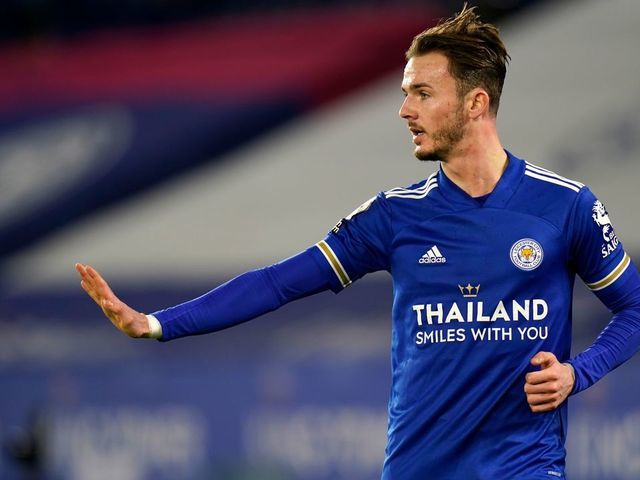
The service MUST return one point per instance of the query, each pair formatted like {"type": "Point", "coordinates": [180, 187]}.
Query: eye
{"type": "Point", "coordinates": [424, 95]}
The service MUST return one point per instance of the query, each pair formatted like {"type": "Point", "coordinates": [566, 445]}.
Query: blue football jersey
{"type": "Point", "coordinates": [480, 286]}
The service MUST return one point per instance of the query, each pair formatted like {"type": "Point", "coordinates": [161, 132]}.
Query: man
{"type": "Point", "coordinates": [483, 256]}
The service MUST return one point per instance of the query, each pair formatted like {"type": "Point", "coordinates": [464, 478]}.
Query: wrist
{"type": "Point", "coordinates": [155, 328]}
{"type": "Point", "coordinates": [573, 375]}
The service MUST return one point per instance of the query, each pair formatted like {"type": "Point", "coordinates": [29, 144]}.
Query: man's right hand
{"type": "Point", "coordinates": [125, 318]}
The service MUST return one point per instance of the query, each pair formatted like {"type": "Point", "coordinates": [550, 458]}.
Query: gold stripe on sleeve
{"type": "Point", "coordinates": [613, 276]}
{"type": "Point", "coordinates": [337, 267]}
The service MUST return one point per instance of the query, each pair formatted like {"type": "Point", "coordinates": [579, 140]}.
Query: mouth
{"type": "Point", "coordinates": [416, 132]}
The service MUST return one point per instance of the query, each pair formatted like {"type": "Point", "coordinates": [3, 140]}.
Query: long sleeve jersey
{"type": "Point", "coordinates": [479, 287]}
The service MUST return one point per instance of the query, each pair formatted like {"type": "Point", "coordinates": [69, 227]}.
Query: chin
{"type": "Point", "coordinates": [427, 155]}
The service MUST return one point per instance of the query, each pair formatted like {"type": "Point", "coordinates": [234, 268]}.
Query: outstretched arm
{"type": "Point", "coordinates": [245, 297]}
{"type": "Point", "coordinates": [125, 318]}
{"type": "Point", "coordinates": [356, 246]}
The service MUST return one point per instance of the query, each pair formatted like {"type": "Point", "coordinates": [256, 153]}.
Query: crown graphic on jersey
{"type": "Point", "coordinates": [469, 291]}
{"type": "Point", "coordinates": [433, 255]}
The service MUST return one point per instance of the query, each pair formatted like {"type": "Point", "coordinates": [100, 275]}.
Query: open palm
{"type": "Point", "coordinates": [125, 318]}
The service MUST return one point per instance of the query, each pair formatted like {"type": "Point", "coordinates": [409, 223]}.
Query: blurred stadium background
{"type": "Point", "coordinates": [175, 144]}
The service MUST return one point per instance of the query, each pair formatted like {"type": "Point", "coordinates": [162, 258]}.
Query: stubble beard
{"type": "Point", "coordinates": [444, 140]}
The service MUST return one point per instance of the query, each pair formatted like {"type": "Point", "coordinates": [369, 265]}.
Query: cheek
{"type": "Point", "coordinates": [434, 117]}
{"type": "Point", "coordinates": [437, 109]}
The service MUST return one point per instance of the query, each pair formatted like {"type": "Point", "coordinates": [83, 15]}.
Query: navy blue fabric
{"type": "Point", "coordinates": [247, 296]}
{"type": "Point", "coordinates": [479, 289]}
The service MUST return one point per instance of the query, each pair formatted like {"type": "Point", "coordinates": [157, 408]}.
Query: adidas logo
{"type": "Point", "coordinates": [433, 255]}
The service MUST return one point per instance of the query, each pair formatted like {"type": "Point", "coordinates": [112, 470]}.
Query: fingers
{"type": "Point", "coordinates": [542, 398]}
{"type": "Point", "coordinates": [87, 281]}
{"type": "Point", "coordinates": [86, 287]}
{"type": "Point", "coordinates": [548, 388]}
{"type": "Point", "coordinates": [93, 283]}
{"type": "Point", "coordinates": [543, 359]}
{"type": "Point", "coordinates": [98, 289]}
{"type": "Point", "coordinates": [546, 360]}
{"type": "Point", "coordinates": [543, 376]}
{"type": "Point", "coordinates": [87, 272]}
{"type": "Point", "coordinates": [94, 277]}
{"type": "Point", "coordinates": [544, 402]}
{"type": "Point", "coordinates": [123, 317]}
{"type": "Point", "coordinates": [90, 290]}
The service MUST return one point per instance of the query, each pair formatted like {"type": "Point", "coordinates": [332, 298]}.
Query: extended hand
{"type": "Point", "coordinates": [125, 318]}
{"type": "Point", "coordinates": [549, 387]}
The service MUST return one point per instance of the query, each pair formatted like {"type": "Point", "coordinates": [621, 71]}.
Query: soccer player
{"type": "Point", "coordinates": [483, 256]}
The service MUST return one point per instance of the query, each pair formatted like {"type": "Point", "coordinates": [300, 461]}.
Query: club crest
{"type": "Point", "coordinates": [526, 254]}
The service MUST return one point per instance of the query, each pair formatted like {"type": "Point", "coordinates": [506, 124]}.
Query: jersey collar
{"type": "Point", "coordinates": [498, 198]}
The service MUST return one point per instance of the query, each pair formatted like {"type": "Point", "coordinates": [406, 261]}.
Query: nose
{"type": "Point", "coordinates": [407, 111]}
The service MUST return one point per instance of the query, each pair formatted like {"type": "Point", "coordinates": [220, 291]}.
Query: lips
{"type": "Point", "coordinates": [416, 132]}
{"type": "Point", "coordinates": [415, 129]}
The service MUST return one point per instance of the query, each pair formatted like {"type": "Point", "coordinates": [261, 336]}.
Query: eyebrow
{"type": "Point", "coordinates": [417, 86]}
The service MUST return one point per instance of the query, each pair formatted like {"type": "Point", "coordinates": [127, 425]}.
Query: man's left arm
{"type": "Point", "coordinates": [618, 342]}
{"type": "Point", "coordinates": [620, 339]}
{"type": "Point", "coordinates": [599, 258]}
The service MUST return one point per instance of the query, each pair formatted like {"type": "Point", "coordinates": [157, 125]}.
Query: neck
{"type": "Point", "coordinates": [476, 167]}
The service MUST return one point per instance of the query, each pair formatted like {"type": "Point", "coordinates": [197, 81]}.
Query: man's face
{"type": "Point", "coordinates": [431, 106]}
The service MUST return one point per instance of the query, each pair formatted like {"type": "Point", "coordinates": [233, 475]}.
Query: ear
{"type": "Point", "coordinates": [477, 102]}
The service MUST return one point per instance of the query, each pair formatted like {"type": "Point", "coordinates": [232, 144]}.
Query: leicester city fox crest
{"type": "Point", "coordinates": [526, 254]}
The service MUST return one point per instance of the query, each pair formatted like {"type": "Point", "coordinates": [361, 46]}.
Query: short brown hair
{"type": "Point", "coordinates": [477, 57]}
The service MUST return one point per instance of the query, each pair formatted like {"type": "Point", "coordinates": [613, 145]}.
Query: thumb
{"type": "Point", "coordinates": [543, 359]}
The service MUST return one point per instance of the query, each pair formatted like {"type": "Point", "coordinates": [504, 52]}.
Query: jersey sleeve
{"type": "Point", "coordinates": [597, 255]}
{"type": "Point", "coordinates": [359, 243]}
{"type": "Point", "coordinates": [247, 296]}
{"type": "Point", "coordinates": [599, 258]}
